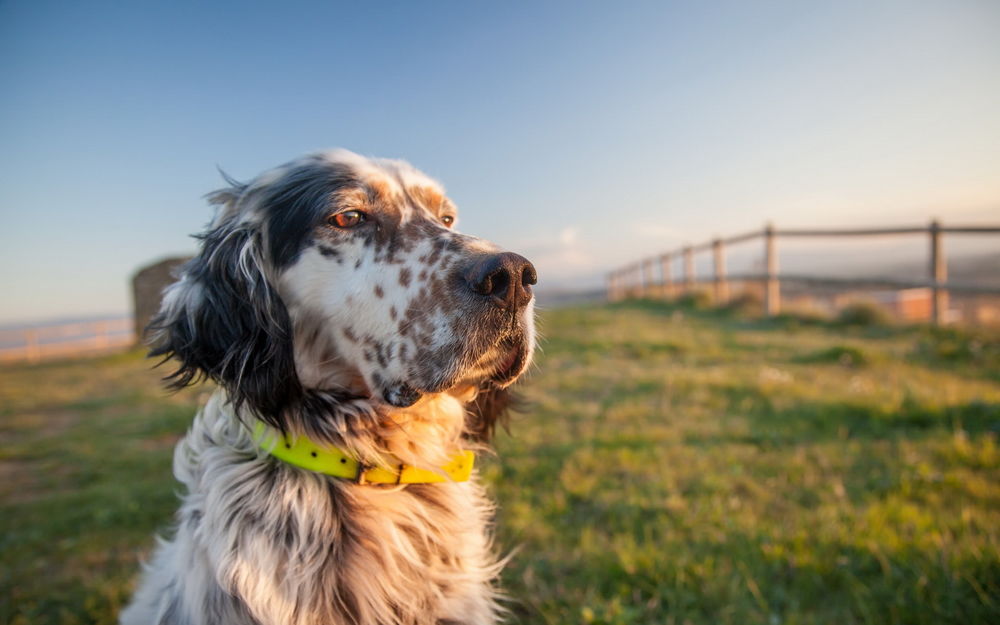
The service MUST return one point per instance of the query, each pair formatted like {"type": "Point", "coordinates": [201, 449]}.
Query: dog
{"type": "Point", "coordinates": [362, 348]}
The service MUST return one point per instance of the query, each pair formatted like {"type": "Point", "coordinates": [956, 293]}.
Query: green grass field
{"type": "Point", "coordinates": [674, 466]}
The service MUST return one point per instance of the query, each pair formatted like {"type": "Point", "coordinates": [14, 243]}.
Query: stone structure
{"type": "Point", "coordinates": [147, 290]}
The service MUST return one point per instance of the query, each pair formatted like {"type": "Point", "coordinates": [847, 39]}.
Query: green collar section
{"type": "Point", "coordinates": [307, 454]}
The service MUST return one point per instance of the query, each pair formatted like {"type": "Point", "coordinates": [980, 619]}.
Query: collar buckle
{"type": "Point", "coordinates": [360, 478]}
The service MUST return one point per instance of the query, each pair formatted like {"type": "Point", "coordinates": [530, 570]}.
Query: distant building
{"type": "Point", "coordinates": [147, 290]}
{"type": "Point", "coordinates": [907, 304]}
{"type": "Point", "coordinates": [910, 305]}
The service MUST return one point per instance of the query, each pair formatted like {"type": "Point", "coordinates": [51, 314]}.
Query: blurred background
{"type": "Point", "coordinates": [768, 242]}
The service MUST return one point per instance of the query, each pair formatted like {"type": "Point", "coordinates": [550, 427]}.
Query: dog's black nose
{"type": "Point", "coordinates": [504, 278]}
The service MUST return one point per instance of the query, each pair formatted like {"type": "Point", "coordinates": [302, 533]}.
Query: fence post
{"type": "Point", "coordinates": [939, 275]}
{"type": "Point", "coordinates": [721, 286]}
{"type": "Point", "coordinates": [688, 269]}
{"type": "Point", "coordinates": [668, 280]}
{"type": "Point", "coordinates": [647, 277]}
{"type": "Point", "coordinates": [772, 288]}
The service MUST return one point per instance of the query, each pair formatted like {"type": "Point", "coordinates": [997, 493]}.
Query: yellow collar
{"type": "Point", "coordinates": [304, 453]}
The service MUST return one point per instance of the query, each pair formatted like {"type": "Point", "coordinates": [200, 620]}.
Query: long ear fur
{"type": "Point", "coordinates": [491, 406]}
{"type": "Point", "coordinates": [223, 321]}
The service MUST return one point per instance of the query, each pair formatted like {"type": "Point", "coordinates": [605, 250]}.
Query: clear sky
{"type": "Point", "coordinates": [581, 134]}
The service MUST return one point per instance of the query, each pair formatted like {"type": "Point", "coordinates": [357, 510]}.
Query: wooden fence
{"type": "Point", "coordinates": [66, 340]}
{"type": "Point", "coordinates": [638, 279]}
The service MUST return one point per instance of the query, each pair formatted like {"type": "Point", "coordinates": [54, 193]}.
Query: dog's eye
{"type": "Point", "coordinates": [448, 220]}
{"type": "Point", "coordinates": [348, 219]}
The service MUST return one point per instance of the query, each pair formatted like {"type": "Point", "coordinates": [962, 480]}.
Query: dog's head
{"type": "Point", "coordinates": [344, 274]}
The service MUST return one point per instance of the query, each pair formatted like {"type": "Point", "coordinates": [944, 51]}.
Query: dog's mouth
{"type": "Point", "coordinates": [514, 355]}
{"type": "Point", "coordinates": [501, 366]}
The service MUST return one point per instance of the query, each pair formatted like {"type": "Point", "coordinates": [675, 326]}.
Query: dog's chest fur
{"type": "Point", "coordinates": [262, 542]}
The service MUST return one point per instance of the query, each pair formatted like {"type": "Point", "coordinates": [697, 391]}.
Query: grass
{"type": "Point", "coordinates": [677, 465]}
{"type": "Point", "coordinates": [85, 450]}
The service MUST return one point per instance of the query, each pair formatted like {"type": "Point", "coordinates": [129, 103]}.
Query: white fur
{"type": "Point", "coordinates": [387, 573]}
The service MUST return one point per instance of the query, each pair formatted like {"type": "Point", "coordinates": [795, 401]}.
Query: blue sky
{"type": "Point", "coordinates": [581, 134]}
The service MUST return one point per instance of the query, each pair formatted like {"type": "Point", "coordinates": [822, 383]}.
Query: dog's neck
{"type": "Point", "coordinates": [301, 548]}
{"type": "Point", "coordinates": [426, 435]}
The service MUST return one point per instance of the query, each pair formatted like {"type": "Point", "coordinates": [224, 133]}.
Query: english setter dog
{"type": "Point", "coordinates": [362, 350]}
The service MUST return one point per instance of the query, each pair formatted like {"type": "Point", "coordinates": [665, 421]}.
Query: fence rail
{"type": "Point", "coordinates": [70, 339]}
{"type": "Point", "coordinates": [638, 278]}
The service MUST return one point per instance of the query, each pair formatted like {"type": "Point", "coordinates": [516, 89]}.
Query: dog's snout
{"type": "Point", "coordinates": [505, 279]}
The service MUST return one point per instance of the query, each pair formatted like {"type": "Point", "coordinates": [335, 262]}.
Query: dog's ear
{"type": "Point", "coordinates": [223, 321]}
{"type": "Point", "coordinates": [491, 406]}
